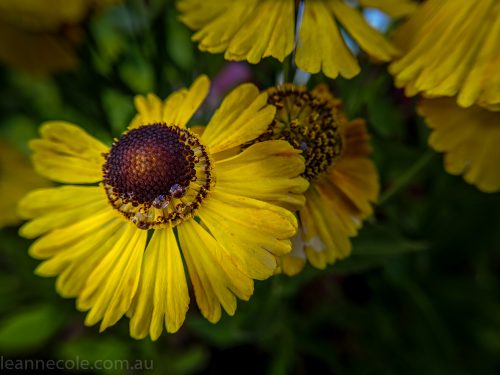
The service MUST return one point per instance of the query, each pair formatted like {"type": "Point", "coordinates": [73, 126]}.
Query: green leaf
{"type": "Point", "coordinates": [29, 329]}
{"type": "Point", "coordinates": [98, 350]}
{"type": "Point", "coordinates": [119, 109]}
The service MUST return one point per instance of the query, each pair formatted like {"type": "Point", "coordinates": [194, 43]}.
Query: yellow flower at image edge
{"type": "Point", "coordinates": [343, 180]}
{"type": "Point", "coordinates": [161, 178]}
{"type": "Point", "coordinates": [470, 139]}
{"type": "Point", "coordinates": [253, 29]}
{"type": "Point", "coordinates": [451, 48]}
{"type": "Point", "coordinates": [17, 178]}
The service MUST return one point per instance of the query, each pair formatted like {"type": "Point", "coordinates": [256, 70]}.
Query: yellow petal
{"type": "Point", "coordinates": [323, 229]}
{"type": "Point", "coordinates": [269, 31]}
{"type": "Point", "coordinates": [57, 216]}
{"type": "Point", "coordinates": [294, 262]}
{"type": "Point", "coordinates": [40, 201]}
{"type": "Point", "coordinates": [369, 39]}
{"type": "Point", "coordinates": [451, 50]}
{"type": "Point", "coordinates": [197, 13]}
{"type": "Point", "coordinates": [55, 241]}
{"type": "Point", "coordinates": [75, 262]}
{"type": "Point", "coordinates": [273, 167]}
{"type": "Point", "coordinates": [177, 109]}
{"type": "Point", "coordinates": [215, 35]}
{"type": "Point", "coordinates": [216, 280]}
{"type": "Point", "coordinates": [66, 153]}
{"type": "Point", "coordinates": [243, 116]}
{"type": "Point", "coordinates": [162, 298]}
{"type": "Point", "coordinates": [470, 139]}
{"type": "Point", "coordinates": [250, 232]}
{"type": "Point", "coordinates": [317, 52]}
{"type": "Point", "coordinates": [110, 288]}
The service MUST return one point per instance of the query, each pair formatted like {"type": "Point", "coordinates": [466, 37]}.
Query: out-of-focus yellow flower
{"type": "Point", "coordinates": [17, 177]}
{"type": "Point", "coordinates": [451, 48]}
{"type": "Point", "coordinates": [114, 245]}
{"type": "Point", "coordinates": [253, 29]}
{"type": "Point", "coordinates": [343, 180]}
{"type": "Point", "coordinates": [470, 139]}
{"type": "Point", "coordinates": [40, 36]}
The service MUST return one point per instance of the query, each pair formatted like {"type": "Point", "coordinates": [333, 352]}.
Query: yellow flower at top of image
{"type": "Point", "coordinates": [40, 36]}
{"type": "Point", "coordinates": [17, 178]}
{"type": "Point", "coordinates": [343, 180]}
{"type": "Point", "coordinates": [253, 29]}
{"type": "Point", "coordinates": [451, 48]}
{"type": "Point", "coordinates": [115, 239]}
{"type": "Point", "coordinates": [451, 56]}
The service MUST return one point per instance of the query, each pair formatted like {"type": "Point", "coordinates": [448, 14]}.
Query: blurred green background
{"type": "Point", "coordinates": [420, 293]}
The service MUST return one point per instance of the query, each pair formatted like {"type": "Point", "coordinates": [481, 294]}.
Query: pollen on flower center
{"type": "Point", "coordinates": [157, 175]}
{"type": "Point", "coordinates": [309, 122]}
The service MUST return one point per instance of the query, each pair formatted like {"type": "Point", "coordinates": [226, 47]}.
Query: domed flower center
{"type": "Point", "coordinates": [157, 175]}
{"type": "Point", "coordinates": [309, 121]}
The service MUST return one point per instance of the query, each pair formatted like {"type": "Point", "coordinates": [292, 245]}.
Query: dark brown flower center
{"type": "Point", "coordinates": [309, 122]}
{"type": "Point", "coordinates": [157, 174]}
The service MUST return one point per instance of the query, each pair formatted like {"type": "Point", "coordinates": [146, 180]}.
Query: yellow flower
{"type": "Point", "coordinates": [470, 139]}
{"type": "Point", "coordinates": [253, 29]}
{"type": "Point", "coordinates": [40, 36]}
{"type": "Point", "coordinates": [394, 8]}
{"type": "Point", "coordinates": [343, 180]}
{"type": "Point", "coordinates": [17, 177]}
{"type": "Point", "coordinates": [451, 48]}
{"type": "Point", "coordinates": [114, 245]}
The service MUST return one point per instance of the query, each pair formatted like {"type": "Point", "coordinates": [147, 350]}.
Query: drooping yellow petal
{"type": "Point", "coordinates": [250, 232]}
{"type": "Point", "coordinates": [197, 13]}
{"type": "Point", "coordinates": [323, 231]}
{"type": "Point", "coordinates": [278, 182]}
{"type": "Point", "coordinates": [243, 29]}
{"type": "Point", "coordinates": [66, 153]}
{"type": "Point", "coordinates": [110, 288]}
{"type": "Point", "coordinates": [49, 213]}
{"type": "Point", "coordinates": [162, 298]}
{"type": "Point", "coordinates": [353, 180]}
{"type": "Point", "coordinates": [216, 279]}
{"type": "Point", "coordinates": [269, 31]}
{"type": "Point", "coordinates": [316, 52]}
{"type": "Point", "coordinates": [450, 49]}
{"type": "Point", "coordinates": [177, 109]}
{"type": "Point", "coordinates": [291, 264]}
{"type": "Point", "coordinates": [470, 139]}
{"type": "Point", "coordinates": [243, 116]}
{"type": "Point", "coordinates": [369, 39]}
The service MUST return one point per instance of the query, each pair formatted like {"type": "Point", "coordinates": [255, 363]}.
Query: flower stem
{"type": "Point", "coordinates": [406, 178]}
{"type": "Point", "coordinates": [288, 70]}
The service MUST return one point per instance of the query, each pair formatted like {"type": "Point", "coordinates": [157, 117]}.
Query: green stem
{"type": "Point", "coordinates": [288, 70]}
{"type": "Point", "coordinates": [407, 177]}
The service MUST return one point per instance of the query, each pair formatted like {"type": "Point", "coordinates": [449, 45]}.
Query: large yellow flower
{"type": "Point", "coordinates": [253, 29]}
{"type": "Point", "coordinates": [17, 178]}
{"type": "Point", "coordinates": [343, 180]}
{"type": "Point", "coordinates": [163, 191]}
{"type": "Point", "coordinates": [451, 48]}
{"type": "Point", "coordinates": [40, 36]}
{"type": "Point", "coordinates": [470, 139]}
